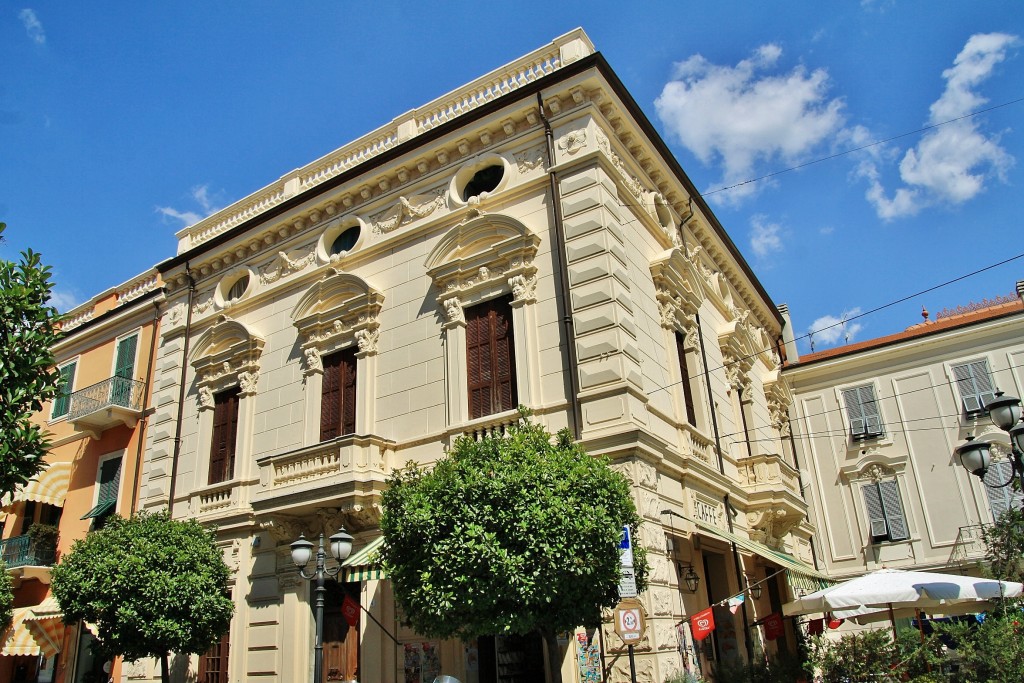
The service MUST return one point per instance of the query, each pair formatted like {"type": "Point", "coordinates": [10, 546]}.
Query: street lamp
{"type": "Point", "coordinates": [302, 552]}
{"type": "Point", "coordinates": [689, 577]}
{"type": "Point", "coordinates": [755, 589]}
{"type": "Point", "coordinates": [976, 456]}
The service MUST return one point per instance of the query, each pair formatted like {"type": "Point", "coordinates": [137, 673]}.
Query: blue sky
{"type": "Point", "coordinates": [120, 122]}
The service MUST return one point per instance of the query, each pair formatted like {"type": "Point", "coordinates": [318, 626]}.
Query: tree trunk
{"type": "Point", "coordinates": [165, 670]}
{"type": "Point", "coordinates": [554, 654]}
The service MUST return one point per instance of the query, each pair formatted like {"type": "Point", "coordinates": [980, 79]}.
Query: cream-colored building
{"type": "Point", "coordinates": [876, 425]}
{"type": "Point", "coordinates": [525, 239]}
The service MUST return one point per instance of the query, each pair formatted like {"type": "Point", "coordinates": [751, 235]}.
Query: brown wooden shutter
{"type": "Point", "coordinates": [684, 373]}
{"type": "Point", "coordinates": [225, 434]}
{"type": "Point", "coordinates": [490, 358]}
{"type": "Point", "coordinates": [338, 398]}
{"type": "Point", "coordinates": [213, 664]}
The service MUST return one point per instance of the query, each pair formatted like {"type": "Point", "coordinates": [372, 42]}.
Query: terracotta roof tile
{"type": "Point", "coordinates": [919, 330]}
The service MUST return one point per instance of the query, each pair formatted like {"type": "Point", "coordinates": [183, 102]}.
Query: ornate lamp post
{"type": "Point", "coordinates": [976, 456]}
{"type": "Point", "coordinates": [302, 552]}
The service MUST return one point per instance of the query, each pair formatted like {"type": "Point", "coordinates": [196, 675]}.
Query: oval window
{"type": "Point", "coordinates": [484, 180]}
{"type": "Point", "coordinates": [238, 288]}
{"type": "Point", "coordinates": [345, 241]}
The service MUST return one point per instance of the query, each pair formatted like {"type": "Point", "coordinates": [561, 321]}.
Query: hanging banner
{"type": "Point", "coordinates": [773, 627]}
{"type": "Point", "coordinates": [350, 610]}
{"type": "Point", "coordinates": [702, 624]}
{"type": "Point", "coordinates": [815, 627]}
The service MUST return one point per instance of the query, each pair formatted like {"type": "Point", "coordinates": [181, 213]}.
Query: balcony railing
{"type": "Point", "coordinates": [117, 400]}
{"type": "Point", "coordinates": [969, 546]}
{"type": "Point", "coordinates": [20, 551]}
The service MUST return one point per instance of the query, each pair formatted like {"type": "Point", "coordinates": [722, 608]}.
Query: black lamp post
{"type": "Point", "coordinates": [976, 456]}
{"type": "Point", "coordinates": [302, 552]}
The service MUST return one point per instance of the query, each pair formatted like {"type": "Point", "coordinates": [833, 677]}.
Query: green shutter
{"type": "Point", "coordinates": [876, 514]}
{"type": "Point", "coordinates": [110, 480]}
{"type": "Point", "coordinates": [62, 402]}
{"type": "Point", "coordinates": [125, 364]}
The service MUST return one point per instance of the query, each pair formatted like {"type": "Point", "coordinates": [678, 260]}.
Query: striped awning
{"type": "Point", "coordinates": [17, 639]}
{"type": "Point", "coordinates": [46, 624]}
{"type": "Point", "coordinates": [363, 566]}
{"type": "Point", "coordinates": [50, 486]}
{"type": "Point", "coordinates": [800, 575]}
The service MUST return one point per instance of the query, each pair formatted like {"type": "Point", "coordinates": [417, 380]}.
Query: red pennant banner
{"type": "Point", "coordinates": [702, 624]}
{"type": "Point", "coordinates": [350, 610]}
{"type": "Point", "coordinates": [773, 627]}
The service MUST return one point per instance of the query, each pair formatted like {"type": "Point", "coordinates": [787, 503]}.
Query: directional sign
{"type": "Point", "coordinates": [627, 583]}
{"type": "Point", "coordinates": [630, 622]}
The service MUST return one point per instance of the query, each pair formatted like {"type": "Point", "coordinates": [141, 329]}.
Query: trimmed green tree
{"type": "Point", "coordinates": [152, 586]}
{"type": "Point", "coordinates": [27, 376]}
{"type": "Point", "coordinates": [507, 535]}
{"type": "Point", "coordinates": [1004, 545]}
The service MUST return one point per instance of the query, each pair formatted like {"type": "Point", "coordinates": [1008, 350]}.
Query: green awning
{"type": "Point", "coordinates": [101, 507]}
{"type": "Point", "coordinates": [363, 565]}
{"type": "Point", "coordinates": [800, 575]}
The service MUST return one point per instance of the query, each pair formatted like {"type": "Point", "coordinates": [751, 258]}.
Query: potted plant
{"type": "Point", "coordinates": [44, 541]}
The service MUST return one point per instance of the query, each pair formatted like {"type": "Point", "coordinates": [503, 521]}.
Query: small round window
{"type": "Point", "coordinates": [345, 241]}
{"type": "Point", "coordinates": [484, 180]}
{"type": "Point", "coordinates": [238, 288]}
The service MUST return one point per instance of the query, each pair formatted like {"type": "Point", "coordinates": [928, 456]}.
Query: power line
{"type": "Point", "coordinates": [861, 148]}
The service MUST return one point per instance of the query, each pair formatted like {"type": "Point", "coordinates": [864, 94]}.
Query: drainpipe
{"type": "Point", "coordinates": [711, 398]}
{"type": "Point", "coordinates": [743, 419]}
{"type": "Point", "coordinates": [741, 579]}
{"type": "Point", "coordinates": [145, 420]}
{"type": "Point", "coordinates": [181, 391]}
{"type": "Point", "coordinates": [576, 414]}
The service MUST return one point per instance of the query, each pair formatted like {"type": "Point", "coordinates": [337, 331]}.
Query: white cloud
{"type": "Point", "coordinates": [829, 329]}
{"type": "Point", "coordinates": [826, 230]}
{"type": "Point", "coordinates": [745, 116]}
{"type": "Point", "coordinates": [63, 300]}
{"type": "Point", "coordinates": [765, 237]}
{"type": "Point", "coordinates": [33, 26]}
{"type": "Point", "coordinates": [200, 195]}
{"type": "Point", "coordinates": [951, 163]}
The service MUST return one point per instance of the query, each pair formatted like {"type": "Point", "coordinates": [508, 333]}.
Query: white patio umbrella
{"type": "Point", "coordinates": [889, 589]}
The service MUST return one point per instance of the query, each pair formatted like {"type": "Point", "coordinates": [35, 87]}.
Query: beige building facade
{"type": "Point", "coordinates": [876, 425]}
{"type": "Point", "coordinates": [526, 239]}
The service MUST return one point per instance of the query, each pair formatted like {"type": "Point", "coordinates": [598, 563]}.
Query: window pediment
{"type": "Point", "coordinates": [474, 257]}
{"type": "Point", "coordinates": [338, 310]}
{"type": "Point", "coordinates": [226, 354]}
{"type": "Point", "coordinates": [679, 286]}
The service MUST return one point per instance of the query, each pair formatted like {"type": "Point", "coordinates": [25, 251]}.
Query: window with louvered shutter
{"type": "Point", "coordinates": [62, 402]}
{"type": "Point", "coordinates": [684, 373]}
{"type": "Point", "coordinates": [490, 358]}
{"type": "Point", "coordinates": [338, 396]}
{"type": "Point", "coordinates": [893, 510]}
{"type": "Point", "coordinates": [974, 381]}
{"type": "Point", "coordinates": [885, 511]}
{"type": "Point", "coordinates": [876, 514]}
{"type": "Point", "coordinates": [862, 409]}
{"type": "Point", "coordinates": [124, 370]}
{"type": "Point", "coordinates": [225, 434]}
{"type": "Point", "coordinates": [1001, 498]}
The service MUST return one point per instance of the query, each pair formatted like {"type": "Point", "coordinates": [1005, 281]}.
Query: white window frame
{"type": "Point", "coordinates": [96, 483]}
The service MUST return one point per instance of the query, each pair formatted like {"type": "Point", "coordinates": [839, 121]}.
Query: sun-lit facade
{"type": "Point", "coordinates": [96, 428]}
{"type": "Point", "coordinates": [876, 425]}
